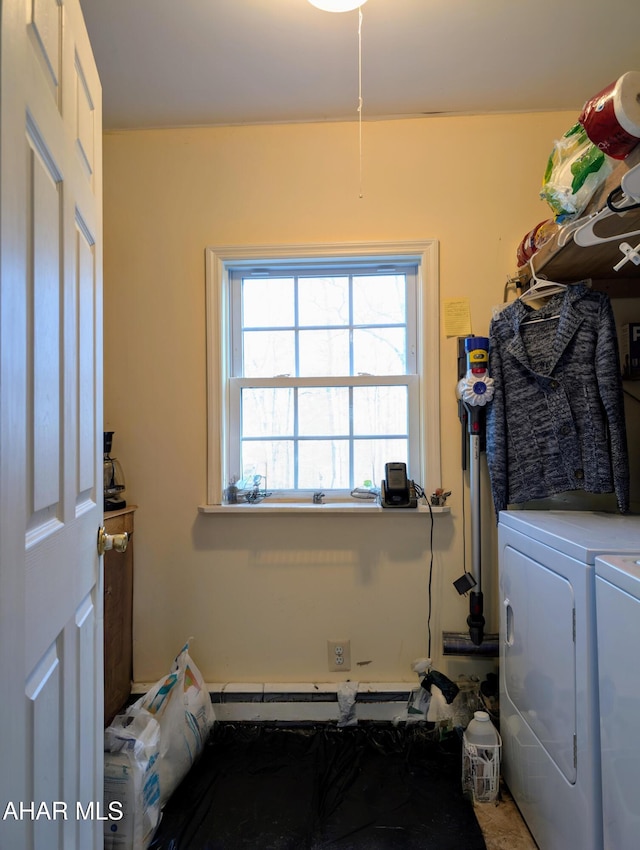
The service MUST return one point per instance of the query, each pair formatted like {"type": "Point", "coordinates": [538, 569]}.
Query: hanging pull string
{"type": "Point", "coordinates": [360, 93]}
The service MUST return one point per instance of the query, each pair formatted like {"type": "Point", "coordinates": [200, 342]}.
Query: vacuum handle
{"type": "Point", "coordinates": [475, 620]}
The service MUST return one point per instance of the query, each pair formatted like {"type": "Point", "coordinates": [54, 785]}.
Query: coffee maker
{"type": "Point", "coordinates": [113, 477]}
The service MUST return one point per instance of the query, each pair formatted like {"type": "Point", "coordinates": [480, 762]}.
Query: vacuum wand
{"type": "Point", "coordinates": [474, 391]}
{"type": "Point", "coordinates": [475, 620]}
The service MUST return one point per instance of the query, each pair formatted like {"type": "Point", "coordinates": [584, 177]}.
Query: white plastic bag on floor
{"type": "Point", "coordinates": [182, 706]}
{"type": "Point", "coordinates": [132, 749]}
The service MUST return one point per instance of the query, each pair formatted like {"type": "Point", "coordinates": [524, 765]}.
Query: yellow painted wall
{"type": "Point", "coordinates": [261, 595]}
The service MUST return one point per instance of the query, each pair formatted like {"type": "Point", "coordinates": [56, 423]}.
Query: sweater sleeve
{"type": "Point", "coordinates": [611, 394]}
{"type": "Point", "coordinates": [496, 428]}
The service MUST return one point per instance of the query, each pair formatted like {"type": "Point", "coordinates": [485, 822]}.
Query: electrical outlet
{"type": "Point", "coordinates": [339, 652]}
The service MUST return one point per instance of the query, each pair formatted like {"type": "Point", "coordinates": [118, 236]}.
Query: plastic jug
{"type": "Point", "coordinates": [481, 758]}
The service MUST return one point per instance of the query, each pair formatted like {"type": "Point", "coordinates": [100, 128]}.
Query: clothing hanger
{"type": "Point", "coordinates": [535, 320]}
{"type": "Point", "coordinates": [628, 194]}
{"type": "Point", "coordinates": [540, 287]}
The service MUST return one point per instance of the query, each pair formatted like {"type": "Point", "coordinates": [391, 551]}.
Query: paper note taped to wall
{"type": "Point", "coordinates": [457, 316]}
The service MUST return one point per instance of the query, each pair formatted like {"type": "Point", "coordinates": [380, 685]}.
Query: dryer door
{"type": "Point", "coordinates": [539, 654]}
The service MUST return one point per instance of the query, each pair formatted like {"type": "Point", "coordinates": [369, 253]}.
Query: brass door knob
{"type": "Point", "coordinates": [117, 542]}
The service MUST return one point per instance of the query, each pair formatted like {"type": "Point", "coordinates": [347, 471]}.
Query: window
{"type": "Point", "coordinates": [322, 367]}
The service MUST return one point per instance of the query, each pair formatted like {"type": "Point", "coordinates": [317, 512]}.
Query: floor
{"type": "Point", "coordinates": [351, 789]}
{"type": "Point", "coordinates": [502, 824]}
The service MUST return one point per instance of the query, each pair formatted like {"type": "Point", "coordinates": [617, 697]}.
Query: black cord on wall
{"type": "Point", "coordinates": [430, 579]}
{"type": "Point", "coordinates": [421, 494]}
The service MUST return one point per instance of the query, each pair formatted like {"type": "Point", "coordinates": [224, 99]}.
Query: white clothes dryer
{"type": "Point", "coordinates": [618, 625]}
{"type": "Point", "coordinates": [549, 712]}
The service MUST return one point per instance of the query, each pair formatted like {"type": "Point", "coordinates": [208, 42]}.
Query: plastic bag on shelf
{"type": "Point", "coordinates": [575, 169]}
{"type": "Point", "coordinates": [535, 239]}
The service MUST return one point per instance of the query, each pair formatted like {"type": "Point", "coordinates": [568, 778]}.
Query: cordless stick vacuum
{"type": "Point", "coordinates": [474, 391]}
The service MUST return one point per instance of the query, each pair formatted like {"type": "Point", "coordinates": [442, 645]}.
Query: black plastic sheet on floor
{"type": "Point", "coordinates": [268, 787]}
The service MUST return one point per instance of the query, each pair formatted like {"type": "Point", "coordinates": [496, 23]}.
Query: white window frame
{"type": "Point", "coordinates": [218, 262]}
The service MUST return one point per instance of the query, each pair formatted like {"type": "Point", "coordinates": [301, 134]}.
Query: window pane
{"type": "Point", "coordinates": [380, 351]}
{"type": "Point", "coordinates": [268, 353]}
{"type": "Point", "coordinates": [323, 464]}
{"type": "Point", "coordinates": [324, 352]}
{"type": "Point", "coordinates": [380, 410]}
{"type": "Point", "coordinates": [273, 456]}
{"type": "Point", "coordinates": [318, 323]}
{"type": "Point", "coordinates": [323, 411]}
{"type": "Point", "coordinates": [379, 300]}
{"type": "Point", "coordinates": [267, 412]}
{"type": "Point", "coordinates": [323, 301]}
{"type": "Point", "coordinates": [370, 457]}
{"type": "Point", "coordinates": [267, 302]}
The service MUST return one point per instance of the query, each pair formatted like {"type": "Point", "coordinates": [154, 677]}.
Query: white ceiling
{"type": "Point", "coordinates": [205, 62]}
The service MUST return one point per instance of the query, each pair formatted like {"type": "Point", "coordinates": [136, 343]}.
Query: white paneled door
{"type": "Point", "coordinates": [50, 430]}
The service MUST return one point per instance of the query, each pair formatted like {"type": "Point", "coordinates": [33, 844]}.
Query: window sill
{"type": "Point", "coordinates": [352, 508]}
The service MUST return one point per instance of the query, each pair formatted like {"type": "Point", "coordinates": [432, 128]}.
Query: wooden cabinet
{"type": "Point", "coordinates": [118, 615]}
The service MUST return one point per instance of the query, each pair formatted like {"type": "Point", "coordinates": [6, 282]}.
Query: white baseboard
{"type": "Point", "coordinates": [266, 702]}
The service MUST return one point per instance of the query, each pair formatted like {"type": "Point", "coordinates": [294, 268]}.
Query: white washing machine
{"type": "Point", "coordinates": [549, 704]}
{"type": "Point", "coordinates": [618, 625]}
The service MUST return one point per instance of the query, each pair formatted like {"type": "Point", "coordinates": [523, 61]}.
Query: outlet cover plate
{"type": "Point", "coordinates": [339, 655]}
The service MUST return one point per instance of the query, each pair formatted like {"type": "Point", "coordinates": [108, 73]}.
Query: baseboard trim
{"type": "Point", "coordinates": [302, 702]}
